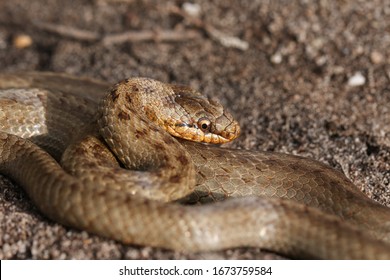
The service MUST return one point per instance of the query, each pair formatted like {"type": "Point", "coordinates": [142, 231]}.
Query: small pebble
{"type": "Point", "coordinates": [376, 57]}
{"type": "Point", "coordinates": [357, 80]}
{"type": "Point", "coordinates": [22, 41]}
{"type": "Point", "coordinates": [191, 9]}
{"type": "Point", "coordinates": [276, 58]}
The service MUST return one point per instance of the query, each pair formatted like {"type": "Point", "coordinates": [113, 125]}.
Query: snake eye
{"type": "Point", "coordinates": [204, 124]}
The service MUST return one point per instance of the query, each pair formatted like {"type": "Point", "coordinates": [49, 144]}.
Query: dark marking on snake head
{"type": "Point", "coordinates": [182, 159]}
{"type": "Point", "coordinates": [134, 88]}
{"type": "Point", "coordinates": [175, 179]}
{"type": "Point", "coordinates": [123, 116]}
{"type": "Point", "coordinates": [114, 94]}
{"type": "Point", "coordinates": [145, 131]}
{"type": "Point", "coordinates": [141, 133]}
{"type": "Point", "coordinates": [128, 98]}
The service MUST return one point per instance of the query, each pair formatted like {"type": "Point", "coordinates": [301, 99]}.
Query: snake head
{"type": "Point", "coordinates": [181, 111]}
{"type": "Point", "coordinates": [200, 119]}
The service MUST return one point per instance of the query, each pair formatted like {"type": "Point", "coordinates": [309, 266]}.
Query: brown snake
{"type": "Point", "coordinates": [98, 136]}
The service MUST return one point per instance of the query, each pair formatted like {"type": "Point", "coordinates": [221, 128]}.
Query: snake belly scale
{"type": "Point", "coordinates": [126, 164]}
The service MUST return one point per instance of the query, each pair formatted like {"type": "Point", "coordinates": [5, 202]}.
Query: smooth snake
{"type": "Point", "coordinates": [178, 194]}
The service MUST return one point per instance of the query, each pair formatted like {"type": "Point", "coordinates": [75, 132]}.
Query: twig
{"type": "Point", "coordinates": [130, 36]}
{"type": "Point", "coordinates": [69, 32]}
{"type": "Point", "coordinates": [146, 35]}
{"type": "Point", "coordinates": [215, 34]}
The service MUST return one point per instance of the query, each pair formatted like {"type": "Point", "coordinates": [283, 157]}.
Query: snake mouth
{"type": "Point", "coordinates": [193, 133]}
{"type": "Point", "coordinates": [217, 139]}
{"type": "Point", "coordinates": [230, 135]}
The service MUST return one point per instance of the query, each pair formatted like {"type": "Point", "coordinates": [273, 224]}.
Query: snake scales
{"type": "Point", "coordinates": [91, 190]}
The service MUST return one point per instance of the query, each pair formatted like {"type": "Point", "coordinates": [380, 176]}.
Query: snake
{"type": "Point", "coordinates": [140, 162]}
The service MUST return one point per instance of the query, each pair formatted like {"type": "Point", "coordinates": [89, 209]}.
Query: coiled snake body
{"type": "Point", "coordinates": [287, 204]}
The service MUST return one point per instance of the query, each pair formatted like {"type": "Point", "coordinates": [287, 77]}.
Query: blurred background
{"type": "Point", "coordinates": [303, 77]}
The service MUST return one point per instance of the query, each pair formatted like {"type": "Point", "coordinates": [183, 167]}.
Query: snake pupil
{"type": "Point", "coordinates": [204, 124]}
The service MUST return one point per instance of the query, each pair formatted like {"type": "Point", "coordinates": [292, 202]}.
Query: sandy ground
{"type": "Point", "coordinates": [302, 77]}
